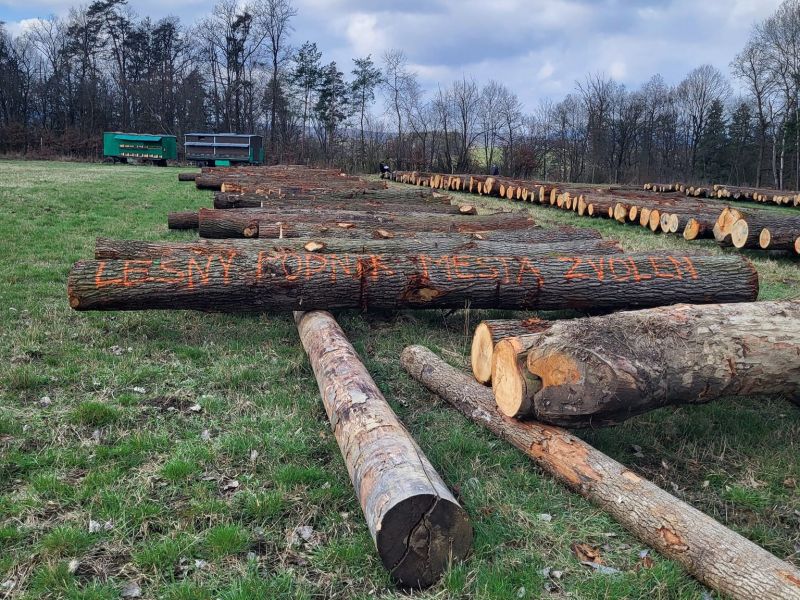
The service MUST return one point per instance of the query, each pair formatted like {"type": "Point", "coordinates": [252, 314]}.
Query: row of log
{"type": "Point", "coordinates": [765, 230]}
{"type": "Point", "coordinates": [666, 210]}
{"type": "Point", "coordinates": [727, 192]}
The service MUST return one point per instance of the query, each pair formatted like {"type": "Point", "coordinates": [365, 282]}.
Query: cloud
{"type": "Point", "coordinates": [538, 48]}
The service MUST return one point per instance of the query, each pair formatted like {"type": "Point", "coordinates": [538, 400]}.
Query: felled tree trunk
{"type": "Point", "coordinates": [456, 244]}
{"type": "Point", "coordinates": [488, 334]}
{"type": "Point", "coordinates": [188, 176]}
{"type": "Point", "coordinates": [229, 201]}
{"type": "Point", "coordinates": [252, 223]}
{"type": "Point", "coordinates": [182, 220]}
{"type": "Point", "coordinates": [268, 281]}
{"type": "Point", "coordinates": [603, 370]}
{"type": "Point", "coordinates": [715, 555]}
{"type": "Point", "coordinates": [416, 523]}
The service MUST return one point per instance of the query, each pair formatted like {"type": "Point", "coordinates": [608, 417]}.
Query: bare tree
{"type": "Point", "coordinates": [696, 93]}
{"type": "Point", "coordinates": [396, 79]}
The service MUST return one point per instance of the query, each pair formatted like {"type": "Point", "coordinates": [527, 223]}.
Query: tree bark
{"type": "Point", "coordinates": [188, 176]}
{"type": "Point", "coordinates": [718, 557]}
{"type": "Point", "coordinates": [106, 249]}
{"type": "Point", "coordinates": [252, 223]}
{"type": "Point", "coordinates": [698, 228]}
{"type": "Point", "coordinates": [234, 201]}
{"type": "Point", "coordinates": [417, 525]}
{"type": "Point", "coordinates": [183, 220]}
{"type": "Point", "coordinates": [603, 370]}
{"type": "Point", "coordinates": [267, 281]}
{"type": "Point", "coordinates": [488, 334]}
{"type": "Point", "coordinates": [779, 236]}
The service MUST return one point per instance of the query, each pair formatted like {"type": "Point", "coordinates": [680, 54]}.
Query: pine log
{"type": "Point", "coordinates": [488, 334]}
{"type": "Point", "coordinates": [603, 370]}
{"type": "Point", "coordinates": [183, 220]}
{"type": "Point", "coordinates": [187, 176]}
{"type": "Point", "coordinates": [106, 249]}
{"type": "Point", "coordinates": [718, 557]}
{"type": "Point", "coordinates": [268, 281]}
{"type": "Point", "coordinates": [417, 525]}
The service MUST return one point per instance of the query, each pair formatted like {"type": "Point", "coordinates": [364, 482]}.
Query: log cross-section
{"type": "Point", "coordinates": [718, 557]}
{"type": "Point", "coordinates": [416, 523]}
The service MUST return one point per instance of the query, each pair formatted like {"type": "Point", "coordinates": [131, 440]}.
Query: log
{"type": "Point", "coordinates": [187, 176]}
{"type": "Point", "coordinates": [268, 281]}
{"type": "Point", "coordinates": [745, 232]}
{"type": "Point", "coordinates": [417, 525]}
{"type": "Point", "coordinates": [603, 370]}
{"type": "Point", "coordinates": [361, 203]}
{"type": "Point", "coordinates": [488, 334]}
{"type": "Point", "coordinates": [718, 557]}
{"type": "Point", "coordinates": [253, 223]}
{"type": "Point", "coordinates": [698, 228]}
{"type": "Point", "coordinates": [456, 244]}
{"type": "Point", "coordinates": [183, 220]}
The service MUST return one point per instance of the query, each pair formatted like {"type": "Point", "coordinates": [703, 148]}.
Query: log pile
{"type": "Point", "coordinates": [715, 555]}
{"type": "Point", "coordinates": [313, 240]}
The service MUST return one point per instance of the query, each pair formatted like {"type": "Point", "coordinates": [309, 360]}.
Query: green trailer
{"type": "Point", "coordinates": [224, 149]}
{"type": "Point", "coordinates": [145, 147]}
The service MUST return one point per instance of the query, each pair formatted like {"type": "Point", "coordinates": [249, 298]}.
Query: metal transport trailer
{"type": "Point", "coordinates": [224, 149]}
{"type": "Point", "coordinates": [144, 147]}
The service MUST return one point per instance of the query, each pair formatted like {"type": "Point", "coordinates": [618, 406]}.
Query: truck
{"type": "Point", "coordinates": [223, 149]}
{"type": "Point", "coordinates": [144, 147]}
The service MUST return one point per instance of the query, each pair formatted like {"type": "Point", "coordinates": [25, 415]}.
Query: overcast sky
{"type": "Point", "coordinates": [539, 48]}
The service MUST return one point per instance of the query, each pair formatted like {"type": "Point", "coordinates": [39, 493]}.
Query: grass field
{"type": "Point", "coordinates": [189, 454]}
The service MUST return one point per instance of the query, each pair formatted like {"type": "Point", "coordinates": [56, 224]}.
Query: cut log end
{"type": "Point", "coordinates": [467, 209]}
{"type": "Point", "coordinates": [481, 355]}
{"type": "Point", "coordinates": [739, 233]}
{"type": "Point", "coordinates": [420, 536]}
{"type": "Point", "coordinates": [313, 246]}
{"type": "Point", "coordinates": [513, 385]}
{"type": "Point", "coordinates": [692, 229]}
{"type": "Point", "coordinates": [764, 239]}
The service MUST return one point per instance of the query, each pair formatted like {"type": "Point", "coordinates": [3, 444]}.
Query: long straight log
{"type": "Point", "coordinates": [417, 525]}
{"type": "Point", "coordinates": [488, 334]}
{"type": "Point", "coordinates": [188, 176]}
{"type": "Point", "coordinates": [253, 223]}
{"type": "Point", "coordinates": [363, 204]}
{"type": "Point", "coordinates": [603, 370]}
{"type": "Point", "coordinates": [718, 557]}
{"type": "Point", "coordinates": [268, 281]}
{"type": "Point", "coordinates": [456, 244]}
{"type": "Point", "coordinates": [778, 237]}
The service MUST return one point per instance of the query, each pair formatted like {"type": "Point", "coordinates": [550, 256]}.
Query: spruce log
{"type": "Point", "coordinates": [417, 525]}
{"type": "Point", "coordinates": [182, 220]}
{"type": "Point", "coordinates": [269, 281]}
{"type": "Point", "coordinates": [718, 557]}
{"type": "Point", "coordinates": [456, 244]}
{"type": "Point", "coordinates": [603, 370]}
{"type": "Point", "coordinates": [488, 334]}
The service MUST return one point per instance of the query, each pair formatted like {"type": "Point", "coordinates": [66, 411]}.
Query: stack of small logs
{"type": "Point", "coordinates": [310, 240]}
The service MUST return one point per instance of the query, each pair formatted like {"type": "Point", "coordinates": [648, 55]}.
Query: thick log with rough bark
{"type": "Point", "coordinates": [183, 220]}
{"type": "Point", "coordinates": [253, 223]}
{"type": "Point", "coordinates": [188, 176]}
{"type": "Point", "coordinates": [417, 525]}
{"type": "Point", "coordinates": [603, 370]}
{"type": "Point", "coordinates": [488, 334]}
{"type": "Point", "coordinates": [269, 281]}
{"type": "Point", "coordinates": [456, 244]}
{"type": "Point", "coordinates": [779, 236]}
{"type": "Point", "coordinates": [718, 557]}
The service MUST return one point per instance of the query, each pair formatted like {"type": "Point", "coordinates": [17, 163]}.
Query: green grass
{"type": "Point", "coordinates": [103, 450]}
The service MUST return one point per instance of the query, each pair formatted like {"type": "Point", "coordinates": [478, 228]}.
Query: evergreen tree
{"type": "Point", "coordinates": [333, 105]}
{"type": "Point", "coordinates": [713, 147]}
{"type": "Point", "coordinates": [367, 78]}
{"type": "Point", "coordinates": [305, 77]}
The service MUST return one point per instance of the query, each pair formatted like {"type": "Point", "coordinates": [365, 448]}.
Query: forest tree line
{"type": "Point", "coordinates": [65, 80]}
